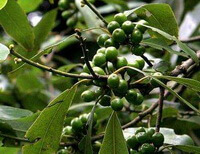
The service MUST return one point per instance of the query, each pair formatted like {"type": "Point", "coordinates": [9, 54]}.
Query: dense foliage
{"type": "Point", "coordinates": [108, 77]}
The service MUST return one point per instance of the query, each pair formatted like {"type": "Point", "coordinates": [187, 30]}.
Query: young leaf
{"type": "Point", "coordinates": [10, 150]}
{"type": "Point", "coordinates": [190, 83]}
{"type": "Point", "coordinates": [15, 23]}
{"type": "Point", "coordinates": [47, 129]}
{"type": "Point", "coordinates": [29, 5]}
{"type": "Point", "coordinates": [4, 52]}
{"type": "Point", "coordinates": [176, 95]}
{"type": "Point", "coordinates": [160, 45]}
{"type": "Point", "coordinates": [114, 141]}
{"type": "Point", "coordinates": [43, 28]}
{"type": "Point", "coordinates": [3, 3]}
{"type": "Point", "coordinates": [158, 16]}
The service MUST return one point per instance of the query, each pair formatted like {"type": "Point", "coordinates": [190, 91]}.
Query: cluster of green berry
{"type": "Point", "coordinates": [107, 60]}
{"type": "Point", "coordinates": [78, 125]}
{"type": "Point", "coordinates": [145, 142]}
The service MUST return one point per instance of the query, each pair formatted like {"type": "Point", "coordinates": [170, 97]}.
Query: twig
{"type": "Point", "coordinates": [15, 138]}
{"type": "Point", "coordinates": [160, 109]}
{"type": "Point", "coordinates": [147, 60]}
{"type": "Point", "coordinates": [85, 52]}
{"type": "Point", "coordinates": [191, 39]}
{"type": "Point", "coordinates": [95, 11]}
{"type": "Point", "coordinates": [50, 69]}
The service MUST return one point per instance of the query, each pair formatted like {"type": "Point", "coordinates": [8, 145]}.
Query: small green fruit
{"type": "Point", "coordinates": [128, 27]}
{"type": "Point", "coordinates": [119, 35]}
{"type": "Point", "coordinates": [102, 39]}
{"type": "Point", "coordinates": [117, 104]}
{"type": "Point", "coordinates": [113, 81]}
{"type": "Point", "coordinates": [112, 26]}
{"type": "Point", "coordinates": [88, 96]}
{"type": "Point", "coordinates": [120, 18]}
{"type": "Point", "coordinates": [111, 53]}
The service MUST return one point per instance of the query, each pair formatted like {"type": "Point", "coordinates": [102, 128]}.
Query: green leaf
{"type": "Point", "coordinates": [4, 52]}
{"type": "Point", "coordinates": [162, 66]}
{"type": "Point", "coordinates": [113, 141]}
{"type": "Point", "coordinates": [29, 5]}
{"type": "Point", "coordinates": [43, 28]}
{"type": "Point", "coordinates": [11, 113]}
{"type": "Point", "coordinates": [190, 83]}
{"type": "Point", "coordinates": [3, 3]}
{"type": "Point", "coordinates": [15, 23]}
{"type": "Point", "coordinates": [188, 148]}
{"type": "Point", "coordinates": [47, 129]}
{"type": "Point", "coordinates": [158, 16]}
{"type": "Point", "coordinates": [187, 50]}
{"type": "Point", "coordinates": [9, 150]}
{"type": "Point", "coordinates": [160, 45]}
{"type": "Point", "coordinates": [183, 46]}
{"type": "Point", "coordinates": [176, 95]}
{"type": "Point", "coordinates": [169, 134]}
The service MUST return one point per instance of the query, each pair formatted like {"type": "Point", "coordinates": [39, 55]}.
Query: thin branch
{"type": "Point", "coordinates": [50, 69]}
{"type": "Point", "coordinates": [147, 60]}
{"type": "Point", "coordinates": [95, 11]}
{"type": "Point", "coordinates": [85, 52]}
{"type": "Point", "coordinates": [160, 109]}
{"type": "Point", "coordinates": [15, 138]}
{"type": "Point", "coordinates": [191, 39]}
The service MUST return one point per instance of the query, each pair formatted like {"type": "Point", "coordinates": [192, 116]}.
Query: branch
{"type": "Point", "coordinates": [95, 11]}
{"type": "Point", "coordinates": [147, 61]}
{"type": "Point", "coordinates": [85, 52]}
{"type": "Point", "coordinates": [50, 69]}
{"type": "Point", "coordinates": [160, 104]}
{"type": "Point", "coordinates": [190, 40]}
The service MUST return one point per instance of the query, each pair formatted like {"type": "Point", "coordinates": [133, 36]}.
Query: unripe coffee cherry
{"type": "Point", "coordinates": [85, 68]}
{"type": "Point", "coordinates": [111, 53]}
{"type": "Point", "coordinates": [77, 125]}
{"type": "Point", "coordinates": [139, 99]}
{"type": "Point", "coordinates": [119, 35]}
{"type": "Point", "coordinates": [102, 39]}
{"type": "Point", "coordinates": [99, 59]}
{"type": "Point", "coordinates": [101, 50]}
{"type": "Point", "coordinates": [112, 26]}
{"type": "Point", "coordinates": [88, 96]}
{"type": "Point", "coordinates": [138, 50]}
{"type": "Point", "coordinates": [141, 63]}
{"type": "Point", "coordinates": [84, 118]}
{"type": "Point", "coordinates": [71, 22]}
{"type": "Point", "coordinates": [67, 14]}
{"type": "Point", "coordinates": [117, 104]}
{"type": "Point", "coordinates": [132, 142]}
{"type": "Point", "coordinates": [132, 72]}
{"type": "Point", "coordinates": [142, 137]}
{"type": "Point", "coordinates": [63, 4]}
{"type": "Point", "coordinates": [111, 43]}
{"type": "Point", "coordinates": [158, 139]}
{"type": "Point", "coordinates": [113, 81]}
{"type": "Point", "coordinates": [121, 90]}
{"type": "Point", "coordinates": [147, 148]}
{"type": "Point", "coordinates": [120, 18]}
{"type": "Point", "coordinates": [136, 36]}
{"type": "Point", "coordinates": [140, 129]}
{"type": "Point", "coordinates": [131, 96]}
{"type": "Point", "coordinates": [121, 62]}
{"type": "Point", "coordinates": [140, 27]}
{"type": "Point", "coordinates": [128, 27]}
{"type": "Point", "coordinates": [98, 70]}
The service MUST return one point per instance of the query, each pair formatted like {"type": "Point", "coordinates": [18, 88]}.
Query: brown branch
{"type": "Point", "coordinates": [160, 104]}
{"type": "Point", "coordinates": [147, 60]}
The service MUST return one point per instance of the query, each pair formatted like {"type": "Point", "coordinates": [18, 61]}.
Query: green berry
{"type": "Point", "coordinates": [71, 22]}
{"type": "Point", "coordinates": [111, 53]}
{"type": "Point", "coordinates": [111, 43]}
{"type": "Point", "coordinates": [67, 14]}
{"type": "Point", "coordinates": [132, 142]}
{"type": "Point", "coordinates": [88, 82]}
{"type": "Point", "coordinates": [117, 104]}
{"type": "Point", "coordinates": [140, 129]}
{"type": "Point", "coordinates": [63, 4]}
{"type": "Point", "coordinates": [140, 27]}
{"type": "Point", "coordinates": [99, 59]}
{"type": "Point", "coordinates": [119, 35]}
{"type": "Point", "coordinates": [121, 90]}
{"type": "Point", "coordinates": [139, 99]}
{"type": "Point", "coordinates": [141, 63]}
{"type": "Point", "coordinates": [105, 100]}
{"type": "Point", "coordinates": [88, 96]}
{"type": "Point", "coordinates": [102, 39]}
{"type": "Point", "coordinates": [121, 62]}
{"type": "Point", "coordinates": [98, 92]}
{"type": "Point", "coordinates": [131, 96]}
{"type": "Point", "coordinates": [112, 26]}
{"type": "Point", "coordinates": [77, 125]}
{"type": "Point", "coordinates": [147, 148]}
{"type": "Point", "coordinates": [110, 67]}
{"type": "Point", "coordinates": [85, 68]}
{"type": "Point", "coordinates": [84, 118]}
{"type": "Point", "coordinates": [101, 50]}
{"type": "Point", "coordinates": [132, 72]}
{"type": "Point", "coordinates": [136, 36]}
{"type": "Point", "coordinates": [142, 137]}
{"type": "Point", "coordinates": [158, 139]}
{"type": "Point", "coordinates": [113, 81]}
{"type": "Point", "coordinates": [98, 70]}
{"type": "Point", "coordinates": [138, 50]}
{"type": "Point", "coordinates": [120, 18]}
{"type": "Point", "coordinates": [128, 27]}
{"type": "Point", "coordinates": [67, 130]}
